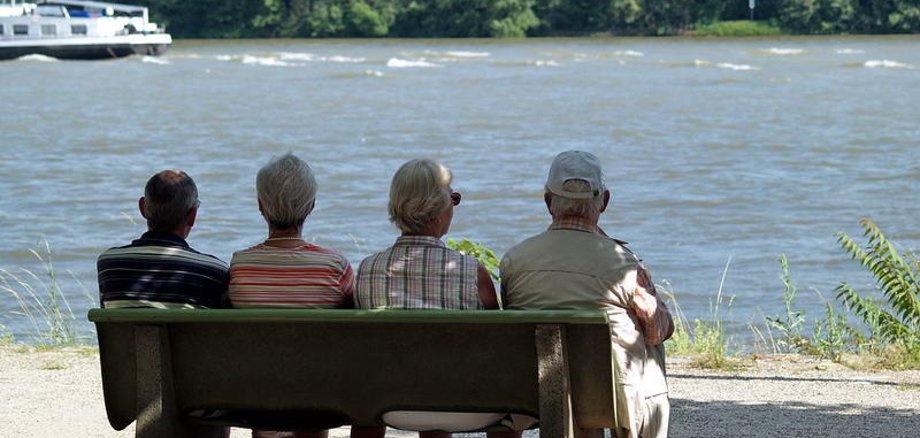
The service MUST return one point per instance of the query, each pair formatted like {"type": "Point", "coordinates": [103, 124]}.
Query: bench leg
{"type": "Point", "coordinates": [157, 416]}
{"type": "Point", "coordinates": [556, 420]}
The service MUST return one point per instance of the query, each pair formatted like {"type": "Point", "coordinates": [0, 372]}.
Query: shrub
{"type": "Point", "coordinates": [895, 318]}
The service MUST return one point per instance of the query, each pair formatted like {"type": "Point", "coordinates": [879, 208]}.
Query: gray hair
{"type": "Point", "coordinates": [169, 197]}
{"type": "Point", "coordinates": [584, 208]}
{"type": "Point", "coordinates": [287, 190]}
{"type": "Point", "coordinates": [419, 192]}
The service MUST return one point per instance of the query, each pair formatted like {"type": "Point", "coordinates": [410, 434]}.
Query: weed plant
{"type": "Point", "coordinates": [791, 324]}
{"type": "Point", "coordinates": [41, 300]}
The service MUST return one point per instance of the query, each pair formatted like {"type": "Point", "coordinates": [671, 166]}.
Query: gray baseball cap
{"type": "Point", "coordinates": [578, 165]}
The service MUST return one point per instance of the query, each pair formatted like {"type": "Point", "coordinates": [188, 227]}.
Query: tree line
{"type": "Point", "coordinates": [518, 18]}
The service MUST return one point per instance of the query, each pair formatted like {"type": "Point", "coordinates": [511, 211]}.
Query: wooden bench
{"type": "Point", "coordinates": [172, 370]}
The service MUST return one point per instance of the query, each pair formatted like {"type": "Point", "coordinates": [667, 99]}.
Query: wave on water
{"type": "Point", "coordinates": [850, 51]}
{"type": "Point", "coordinates": [723, 65]}
{"type": "Point", "coordinates": [785, 51]}
{"type": "Point", "coordinates": [309, 57]}
{"type": "Point", "coordinates": [405, 63]}
{"type": "Point", "coordinates": [542, 63]}
{"type": "Point", "coordinates": [291, 56]}
{"type": "Point", "coordinates": [885, 63]}
{"type": "Point", "coordinates": [268, 61]}
{"type": "Point", "coordinates": [154, 60]}
{"type": "Point", "coordinates": [465, 54]}
{"type": "Point", "coordinates": [343, 59]}
{"type": "Point", "coordinates": [736, 67]}
{"type": "Point", "coordinates": [37, 58]}
{"type": "Point", "coordinates": [448, 56]}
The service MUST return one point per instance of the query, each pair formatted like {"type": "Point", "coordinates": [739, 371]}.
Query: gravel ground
{"type": "Point", "coordinates": [58, 393]}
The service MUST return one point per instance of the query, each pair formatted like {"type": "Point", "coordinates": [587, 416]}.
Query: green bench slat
{"type": "Point", "coordinates": [348, 315]}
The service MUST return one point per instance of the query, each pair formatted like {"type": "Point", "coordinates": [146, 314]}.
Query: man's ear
{"type": "Point", "coordinates": [190, 219]}
{"type": "Point", "coordinates": [606, 200]}
{"type": "Point", "coordinates": [141, 205]}
{"type": "Point", "coordinates": [548, 200]}
{"type": "Point", "coordinates": [262, 212]}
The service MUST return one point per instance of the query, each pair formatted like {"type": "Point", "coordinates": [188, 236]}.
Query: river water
{"type": "Point", "coordinates": [721, 154]}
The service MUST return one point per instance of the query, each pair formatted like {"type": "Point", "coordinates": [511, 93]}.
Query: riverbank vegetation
{"type": "Point", "coordinates": [874, 329]}
{"type": "Point", "coordinates": [520, 18]}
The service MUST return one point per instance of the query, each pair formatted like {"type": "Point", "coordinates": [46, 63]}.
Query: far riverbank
{"type": "Point", "coordinates": [57, 392]}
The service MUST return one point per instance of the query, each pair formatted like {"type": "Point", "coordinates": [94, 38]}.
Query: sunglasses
{"type": "Point", "coordinates": [455, 198]}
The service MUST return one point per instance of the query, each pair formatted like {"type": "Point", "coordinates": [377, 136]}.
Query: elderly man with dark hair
{"type": "Point", "coordinates": [575, 265]}
{"type": "Point", "coordinates": [160, 269]}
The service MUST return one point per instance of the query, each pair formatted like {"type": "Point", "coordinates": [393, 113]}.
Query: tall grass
{"type": "Point", "coordinates": [41, 300]}
{"type": "Point", "coordinates": [704, 340]}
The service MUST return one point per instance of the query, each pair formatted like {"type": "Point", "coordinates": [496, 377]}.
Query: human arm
{"type": "Point", "coordinates": [486, 287]}
{"type": "Point", "coordinates": [347, 287]}
{"type": "Point", "coordinates": [654, 317]}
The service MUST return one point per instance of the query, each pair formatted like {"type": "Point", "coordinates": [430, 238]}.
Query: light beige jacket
{"type": "Point", "coordinates": [580, 269]}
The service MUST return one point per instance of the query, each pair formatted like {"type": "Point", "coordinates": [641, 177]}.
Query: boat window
{"type": "Point", "coordinates": [50, 11]}
{"type": "Point", "coordinates": [20, 29]}
{"type": "Point", "coordinates": [78, 29]}
{"type": "Point", "coordinates": [49, 29]}
{"type": "Point", "coordinates": [1, 29]}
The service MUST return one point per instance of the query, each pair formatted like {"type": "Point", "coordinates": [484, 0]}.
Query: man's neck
{"type": "Point", "coordinates": [575, 223]}
{"type": "Point", "coordinates": [180, 233]}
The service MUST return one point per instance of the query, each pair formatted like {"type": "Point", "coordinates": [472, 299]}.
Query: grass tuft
{"type": "Point", "coordinates": [739, 28]}
{"type": "Point", "coordinates": [704, 341]}
{"type": "Point", "coordinates": [41, 300]}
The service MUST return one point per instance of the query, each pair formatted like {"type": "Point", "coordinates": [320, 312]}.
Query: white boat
{"type": "Point", "coordinates": [74, 29]}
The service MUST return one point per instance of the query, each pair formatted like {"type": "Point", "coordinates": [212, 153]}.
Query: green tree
{"type": "Point", "coordinates": [817, 16]}
{"type": "Point", "coordinates": [363, 20]}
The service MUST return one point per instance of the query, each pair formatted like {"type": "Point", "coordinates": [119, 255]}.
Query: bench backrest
{"type": "Point", "coordinates": [353, 365]}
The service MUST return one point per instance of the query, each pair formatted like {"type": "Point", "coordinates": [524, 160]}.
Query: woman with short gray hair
{"type": "Point", "coordinates": [284, 271]}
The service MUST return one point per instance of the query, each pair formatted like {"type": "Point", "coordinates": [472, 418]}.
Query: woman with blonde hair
{"type": "Point", "coordinates": [420, 272]}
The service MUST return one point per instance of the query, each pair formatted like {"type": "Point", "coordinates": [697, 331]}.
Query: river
{"type": "Point", "coordinates": [721, 154]}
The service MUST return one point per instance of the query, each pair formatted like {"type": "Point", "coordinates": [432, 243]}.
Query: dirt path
{"type": "Point", "coordinates": [58, 393]}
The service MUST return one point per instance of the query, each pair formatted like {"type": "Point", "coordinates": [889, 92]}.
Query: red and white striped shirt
{"type": "Point", "coordinates": [306, 276]}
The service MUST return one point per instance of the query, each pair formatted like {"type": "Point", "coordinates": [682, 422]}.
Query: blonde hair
{"type": "Point", "coordinates": [419, 192]}
{"type": "Point", "coordinates": [287, 190]}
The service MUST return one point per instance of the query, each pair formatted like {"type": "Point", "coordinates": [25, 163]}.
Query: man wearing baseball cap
{"type": "Point", "coordinates": [575, 265]}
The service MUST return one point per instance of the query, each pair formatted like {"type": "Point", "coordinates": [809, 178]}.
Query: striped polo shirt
{"type": "Point", "coordinates": [306, 276]}
{"type": "Point", "coordinates": [418, 272]}
{"type": "Point", "coordinates": [161, 270]}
